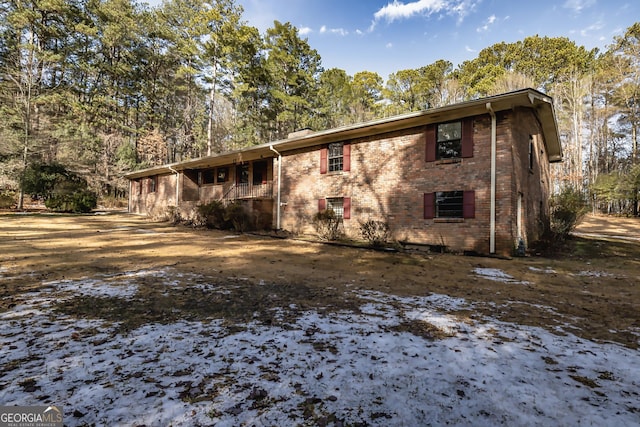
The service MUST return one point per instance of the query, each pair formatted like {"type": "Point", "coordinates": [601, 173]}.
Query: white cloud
{"type": "Point", "coordinates": [578, 5]}
{"type": "Point", "coordinates": [337, 31]}
{"type": "Point", "coordinates": [389, 45]}
{"type": "Point", "coordinates": [398, 10]}
{"type": "Point", "coordinates": [594, 27]}
{"type": "Point", "coordinates": [468, 49]}
{"type": "Point", "coordinates": [489, 21]}
{"type": "Point", "coordinates": [303, 31]}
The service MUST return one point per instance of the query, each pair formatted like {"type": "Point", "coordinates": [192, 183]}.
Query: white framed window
{"type": "Point", "coordinates": [153, 183]}
{"type": "Point", "coordinates": [336, 204]}
{"type": "Point", "coordinates": [449, 140]}
{"type": "Point", "coordinates": [335, 157]}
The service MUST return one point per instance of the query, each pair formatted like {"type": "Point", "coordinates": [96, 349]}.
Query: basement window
{"type": "Point", "coordinates": [449, 204]}
{"type": "Point", "coordinates": [341, 206]}
{"type": "Point", "coordinates": [337, 206]}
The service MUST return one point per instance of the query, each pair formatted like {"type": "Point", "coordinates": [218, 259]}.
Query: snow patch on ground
{"type": "Point", "coordinates": [497, 275]}
{"type": "Point", "coordinates": [589, 273]}
{"type": "Point", "coordinates": [342, 367]}
{"type": "Point", "coordinates": [97, 288]}
{"type": "Point", "coordinates": [546, 270]}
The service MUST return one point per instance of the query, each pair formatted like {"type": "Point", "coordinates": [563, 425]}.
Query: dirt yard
{"type": "Point", "coordinates": [117, 320]}
{"type": "Point", "coordinates": [591, 289]}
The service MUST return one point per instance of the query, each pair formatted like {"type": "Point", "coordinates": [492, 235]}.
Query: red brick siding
{"type": "Point", "coordinates": [154, 203]}
{"type": "Point", "coordinates": [389, 177]}
{"type": "Point", "coordinates": [191, 195]}
{"type": "Point", "coordinates": [534, 184]}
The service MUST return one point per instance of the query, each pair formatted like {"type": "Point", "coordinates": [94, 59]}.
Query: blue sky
{"type": "Point", "coordinates": [386, 36]}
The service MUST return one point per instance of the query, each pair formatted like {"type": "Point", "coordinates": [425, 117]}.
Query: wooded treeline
{"type": "Point", "coordinates": [107, 86]}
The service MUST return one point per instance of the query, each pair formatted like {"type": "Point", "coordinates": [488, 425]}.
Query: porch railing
{"type": "Point", "coordinates": [249, 191]}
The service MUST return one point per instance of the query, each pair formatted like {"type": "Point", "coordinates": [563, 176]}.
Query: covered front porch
{"type": "Point", "coordinates": [248, 180]}
{"type": "Point", "coordinates": [245, 177]}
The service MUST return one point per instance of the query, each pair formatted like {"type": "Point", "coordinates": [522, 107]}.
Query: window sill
{"type": "Point", "coordinates": [448, 161]}
{"type": "Point", "coordinates": [446, 220]}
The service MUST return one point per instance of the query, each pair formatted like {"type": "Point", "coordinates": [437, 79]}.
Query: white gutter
{"type": "Point", "coordinates": [492, 215]}
{"type": "Point", "coordinates": [279, 180]}
{"type": "Point", "coordinates": [177, 184]}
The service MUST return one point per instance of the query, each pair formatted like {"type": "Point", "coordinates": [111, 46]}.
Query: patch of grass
{"type": "Point", "coordinates": [29, 385]}
{"type": "Point", "coordinates": [606, 375]}
{"type": "Point", "coordinates": [585, 381]}
{"type": "Point", "coordinates": [214, 413]}
{"type": "Point", "coordinates": [591, 248]}
{"type": "Point", "coordinates": [17, 363]}
{"type": "Point", "coordinates": [422, 329]}
{"type": "Point", "coordinates": [235, 302]}
{"type": "Point", "coordinates": [324, 346]}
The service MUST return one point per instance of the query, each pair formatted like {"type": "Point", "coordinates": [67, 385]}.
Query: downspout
{"type": "Point", "coordinates": [177, 184]}
{"type": "Point", "coordinates": [130, 196]}
{"type": "Point", "coordinates": [278, 191]}
{"type": "Point", "coordinates": [492, 215]}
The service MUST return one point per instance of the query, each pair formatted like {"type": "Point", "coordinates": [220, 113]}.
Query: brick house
{"type": "Point", "coordinates": [471, 176]}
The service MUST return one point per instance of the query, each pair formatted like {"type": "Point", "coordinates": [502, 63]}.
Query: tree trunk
{"type": "Point", "coordinates": [634, 160]}
{"type": "Point", "coordinates": [212, 97]}
{"type": "Point", "coordinates": [27, 115]}
{"type": "Point", "coordinates": [24, 169]}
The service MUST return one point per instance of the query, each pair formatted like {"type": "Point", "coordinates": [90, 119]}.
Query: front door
{"type": "Point", "coordinates": [242, 174]}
